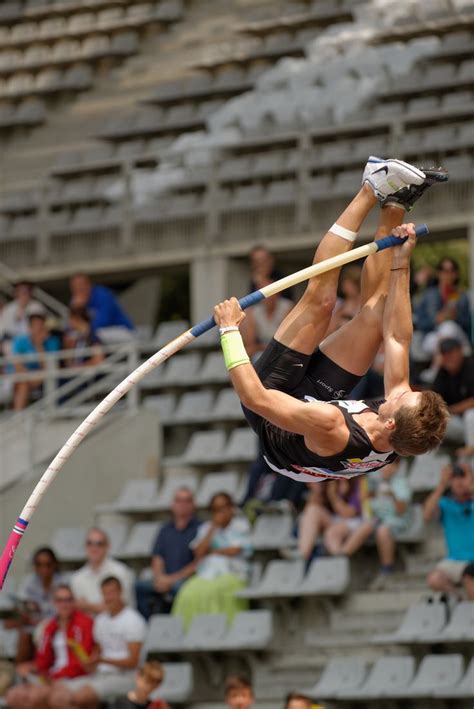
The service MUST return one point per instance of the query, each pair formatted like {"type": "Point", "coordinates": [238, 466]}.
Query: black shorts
{"type": "Point", "coordinates": [300, 375]}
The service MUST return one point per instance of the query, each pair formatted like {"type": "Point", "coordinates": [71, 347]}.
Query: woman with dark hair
{"type": "Point", "coordinates": [221, 547]}
{"type": "Point", "coordinates": [35, 600]}
{"type": "Point", "coordinates": [444, 302]}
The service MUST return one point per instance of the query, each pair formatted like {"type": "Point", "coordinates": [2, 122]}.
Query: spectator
{"type": "Point", "coordinates": [389, 501]}
{"type": "Point", "coordinates": [101, 304]}
{"type": "Point", "coordinates": [455, 382]}
{"type": "Point", "coordinates": [86, 582]}
{"type": "Point", "coordinates": [221, 547]}
{"type": "Point", "coordinates": [263, 319]}
{"type": "Point", "coordinates": [35, 599]}
{"type": "Point", "coordinates": [238, 692]}
{"type": "Point", "coordinates": [172, 561]}
{"type": "Point", "coordinates": [66, 640]}
{"type": "Point", "coordinates": [300, 701]}
{"type": "Point", "coordinates": [316, 517]}
{"type": "Point", "coordinates": [442, 303]}
{"type": "Point", "coordinates": [147, 681]}
{"type": "Point", "coordinates": [453, 502]}
{"type": "Point", "coordinates": [38, 341]}
{"type": "Point", "coordinates": [348, 302]}
{"type": "Point", "coordinates": [80, 335]}
{"type": "Point", "coordinates": [14, 316]}
{"type": "Point", "coordinates": [119, 633]}
{"type": "Point", "coordinates": [262, 265]}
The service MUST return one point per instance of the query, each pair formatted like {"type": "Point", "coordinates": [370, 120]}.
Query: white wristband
{"type": "Point", "coordinates": [343, 232]}
{"type": "Point", "coordinates": [228, 328]}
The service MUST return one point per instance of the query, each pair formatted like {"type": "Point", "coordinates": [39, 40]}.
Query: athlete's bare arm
{"type": "Point", "coordinates": [397, 320]}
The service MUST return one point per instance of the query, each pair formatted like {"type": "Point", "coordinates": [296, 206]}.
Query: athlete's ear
{"type": "Point", "coordinates": [390, 424]}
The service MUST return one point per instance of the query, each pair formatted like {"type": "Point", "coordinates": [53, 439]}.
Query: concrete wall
{"type": "Point", "coordinates": [128, 447]}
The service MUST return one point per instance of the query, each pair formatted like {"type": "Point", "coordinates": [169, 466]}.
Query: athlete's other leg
{"type": "Point", "coordinates": [364, 331]}
{"type": "Point", "coordinates": [305, 326]}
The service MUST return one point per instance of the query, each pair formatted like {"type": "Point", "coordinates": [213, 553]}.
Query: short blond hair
{"type": "Point", "coordinates": [419, 429]}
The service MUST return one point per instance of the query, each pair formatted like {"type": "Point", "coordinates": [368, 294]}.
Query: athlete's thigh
{"type": "Point", "coordinates": [305, 326]}
{"type": "Point", "coordinates": [355, 345]}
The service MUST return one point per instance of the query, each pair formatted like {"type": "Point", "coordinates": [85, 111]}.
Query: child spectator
{"type": "Point", "coordinates": [172, 561]}
{"type": "Point", "coordinates": [119, 633]}
{"type": "Point", "coordinates": [147, 682]}
{"type": "Point", "coordinates": [452, 502]}
{"type": "Point", "coordinates": [300, 701]}
{"type": "Point", "coordinates": [238, 692]}
{"type": "Point", "coordinates": [66, 640]}
{"type": "Point", "coordinates": [86, 582]}
{"type": "Point", "coordinates": [455, 382]}
{"type": "Point", "coordinates": [80, 335]}
{"type": "Point", "coordinates": [38, 341]}
{"type": "Point", "coordinates": [221, 547]}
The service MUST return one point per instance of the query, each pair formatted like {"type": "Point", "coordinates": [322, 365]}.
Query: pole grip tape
{"type": "Point", "coordinates": [209, 323]}
{"type": "Point", "coordinates": [389, 241]}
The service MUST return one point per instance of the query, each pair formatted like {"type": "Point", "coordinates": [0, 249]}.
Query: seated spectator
{"type": "Point", "coordinates": [172, 561]}
{"type": "Point", "coordinates": [263, 319]}
{"type": "Point", "coordinates": [238, 692]}
{"type": "Point", "coordinates": [220, 547]}
{"type": "Point", "coordinates": [147, 682]}
{"type": "Point", "coordinates": [119, 633]}
{"type": "Point", "coordinates": [67, 639]}
{"type": "Point", "coordinates": [101, 304]}
{"type": "Point", "coordinates": [317, 516]}
{"type": "Point", "coordinates": [39, 341]}
{"type": "Point", "coordinates": [78, 336]}
{"type": "Point", "coordinates": [442, 303]}
{"type": "Point", "coordinates": [35, 601]}
{"type": "Point", "coordinates": [300, 701]}
{"type": "Point", "coordinates": [262, 265]}
{"type": "Point", "coordinates": [455, 382]}
{"type": "Point", "coordinates": [348, 301]}
{"type": "Point", "coordinates": [86, 582]}
{"type": "Point", "coordinates": [389, 502]}
{"type": "Point", "coordinates": [14, 316]}
{"type": "Point", "coordinates": [452, 502]}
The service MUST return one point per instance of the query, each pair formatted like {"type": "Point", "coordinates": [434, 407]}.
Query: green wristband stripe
{"type": "Point", "coordinates": [234, 350]}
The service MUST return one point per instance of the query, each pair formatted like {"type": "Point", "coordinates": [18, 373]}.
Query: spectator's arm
{"type": "Point", "coordinates": [338, 504]}
{"type": "Point", "coordinates": [462, 406]}
{"type": "Point", "coordinates": [400, 505]}
{"type": "Point", "coordinates": [166, 581]}
{"type": "Point", "coordinates": [87, 607]}
{"type": "Point", "coordinates": [128, 663]}
{"type": "Point", "coordinates": [203, 546]}
{"type": "Point", "coordinates": [431, 506]}
{"type": "Point", "coordinates": [228, 551]}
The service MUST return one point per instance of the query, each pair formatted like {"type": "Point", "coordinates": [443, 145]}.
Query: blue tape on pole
{"type": "Point", "coordinates": [245, 302]}
{"type": "Point", "coordinates": [390, 241]}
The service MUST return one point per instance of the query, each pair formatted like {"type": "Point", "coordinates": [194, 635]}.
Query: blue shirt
{"type": "Point", "coordinates": [105, 310]}
{"type": "Point", "coordinates": [23, 344]}
{"type": "Point", "coordinates": [172, 545]}
{"type": "Point", "coordinates": [457, 519]}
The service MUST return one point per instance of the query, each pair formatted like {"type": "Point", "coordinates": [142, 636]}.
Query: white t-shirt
{"type": "Point", "coordinates": [60, 651]}
{"type": "Point", "coordinates": [113, 633]}
{"type": "Point", "coordinates": [85, 582]}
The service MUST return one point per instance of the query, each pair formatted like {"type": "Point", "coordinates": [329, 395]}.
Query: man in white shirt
{"type": "Point", "coordinates": [119, 632]}
{"type": "Point", "coordinates": [86, 581]}
{"type": "Point", "coordinates": [14, 316]}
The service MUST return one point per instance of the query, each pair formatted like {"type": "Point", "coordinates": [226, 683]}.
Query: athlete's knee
{"type": "Point", "coordinates": [321, 298]}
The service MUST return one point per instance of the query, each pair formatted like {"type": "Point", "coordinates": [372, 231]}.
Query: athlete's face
{"type": "Point", "coordinates": [406, 398]}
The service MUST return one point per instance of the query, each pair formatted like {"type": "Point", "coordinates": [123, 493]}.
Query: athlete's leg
{"type": "Point", "coordinates": [305, 326]}
{"type": "Point", "coordinates": [364, 332]}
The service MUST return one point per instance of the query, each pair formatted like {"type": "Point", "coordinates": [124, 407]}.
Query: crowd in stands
{"type": "Point", "coordinates": [28, 328]}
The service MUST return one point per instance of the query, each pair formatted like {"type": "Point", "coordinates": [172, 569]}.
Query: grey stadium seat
{"type": "Point", "coordinates": [8, 642]}
{"type": "Point", "coordinates": [171, 483]}
{"type": "Point", "coordinates": [124, 43]}
{"type": "Point", "coordinates": [461, 624]}
{"type": "Point", "coordinates": [272, 531]}
{"type": "Point", "coordinates": [168, 331]}
{"type": "Point", "coordinates": [346, 182]}
{"type": "Point", "coordinates": [206, 632]}
{"type": "Point", "coordinates": [416, 530]}
{"type": "Point", "coordinates": [140, 540]}
{"type": "Point", "coordinates": [217, 482]}
{"type": "Point", "coordinates": [422, 619]}
{"type": "Point", "coordinates": [205, 447]}
{"type": "Point", "coordinates": [165, 634]}
{"type": "Point", "coordinates": [464, 688]}
{"type": "Point", "coordinates": [117, 534]}
{"type": "Point", "coordinates": [241, 446]}
{"type": "Point", "coordinates": [339, 675]}
{"type": "Point", "coordinates": [169, 10]}
{"type": "Point", "coordinates": [227, 407]}
{"type": "Point", "coordinates": [69, 543]}
{"type": "Point", "coordinates": [164, 404]}
{"type": "Point", "coordinates": [281, 192]}
{"type": "Point", "coordinates": [389, 674]}
{"type": "Point", "coordinates": [213, 370]}
{"type": "Point", "coordinates": [182, 369]}
{"type": "Point", "coordinates": [137, 496]}
{"type": "Point", "coordinates": [436, 673]}
{"type": "Point", "coordinates": [178, 683]}
{"type": "Point", "coordinates": [425, 471]}
{"type": "Point", "coordinates": [326, 577]}
{"type": "Point", "coordinates": [194, 406]}
{"type": "Point", "coordinates": [6, 601]}
{"type": "Point", "coordinates": [280, 579]}
{"type": "Point", "coordinates": [251, 630]}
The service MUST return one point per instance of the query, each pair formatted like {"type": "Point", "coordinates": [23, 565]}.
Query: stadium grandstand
{"type": "Point", "coordinates": [149, 148]}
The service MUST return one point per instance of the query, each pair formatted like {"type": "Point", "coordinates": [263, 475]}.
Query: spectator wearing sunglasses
{"type": "Point", "coordinates": [86, 582]}
{"type": "Point", "coordinates": [452, 502]}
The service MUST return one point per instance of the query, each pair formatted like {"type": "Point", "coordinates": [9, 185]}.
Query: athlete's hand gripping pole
{"type": "Point", "coordinates": [154, 361]}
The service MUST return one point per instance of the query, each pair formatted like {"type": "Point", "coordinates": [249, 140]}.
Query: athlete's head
{"type": "Point", "coordinates": [417, 421]}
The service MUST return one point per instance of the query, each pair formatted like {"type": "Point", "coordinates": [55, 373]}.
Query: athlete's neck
{"type": "Point", "coordinates": [376, 431]}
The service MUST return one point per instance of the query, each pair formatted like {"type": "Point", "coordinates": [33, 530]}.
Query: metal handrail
{"type": "Point", "coordinates": [9, 276]}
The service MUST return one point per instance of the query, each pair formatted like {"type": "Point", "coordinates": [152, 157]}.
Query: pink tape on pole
{"type": "Point", "coordinates": [9, 552]}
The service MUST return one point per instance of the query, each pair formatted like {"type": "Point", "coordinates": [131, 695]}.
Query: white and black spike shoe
{"type": "Point", "coordinates": [386, 177]}
{"type": "Point", "coordinates": [407, 196]}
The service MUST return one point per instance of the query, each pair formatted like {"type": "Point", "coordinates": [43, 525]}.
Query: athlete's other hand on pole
{"type": "Point", "coordinates": [402, 253]}
{"type": "Point", "coordinates": [228, 313]}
